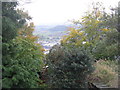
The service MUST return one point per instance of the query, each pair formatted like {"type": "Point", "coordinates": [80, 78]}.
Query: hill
{"type": "Point", "coordinates": [58, 28]}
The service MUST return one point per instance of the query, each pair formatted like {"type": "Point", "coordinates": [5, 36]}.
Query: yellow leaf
{"type": "Point", "coordinates": [105, 29]}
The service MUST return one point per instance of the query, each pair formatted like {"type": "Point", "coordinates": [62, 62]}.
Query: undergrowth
{"type": "Point", "coordinates": [106, 72]}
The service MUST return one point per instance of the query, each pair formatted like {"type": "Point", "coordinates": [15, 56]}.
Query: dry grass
{"type": "Point", "coordinates": [106, 72]}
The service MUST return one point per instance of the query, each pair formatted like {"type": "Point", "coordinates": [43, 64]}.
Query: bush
{"type": "Point", "coordinates": [106, 72]}
{"type": "Point", "coordinates": [21, 64]}
{"type": "Point", "coordinates": [68, 67]}
{"type": "Point", "coordinates": [108, 47]}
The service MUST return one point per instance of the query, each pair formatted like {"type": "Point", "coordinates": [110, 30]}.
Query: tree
{"type": "Point", "coordinates": [22, 56]}
{"type": "Point", "coordinates": [94, 31]}
{"type": "Point", "coordinates": [68, 67]}
{"type": "Point", "coordinates": [22, 63]}
{"type": "Point", "coordinates": [11, 20]}
{"type": "Point", "coordinates": [108, 47]}
{"type": "Point", "coordinates": [90, 29]}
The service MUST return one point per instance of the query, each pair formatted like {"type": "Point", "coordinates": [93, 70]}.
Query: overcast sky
{"type": "Point", "coordinates": [47, 12]}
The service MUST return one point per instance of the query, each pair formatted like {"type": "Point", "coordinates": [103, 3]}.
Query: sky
{"type": "Point", "coordinates": [54, 12]}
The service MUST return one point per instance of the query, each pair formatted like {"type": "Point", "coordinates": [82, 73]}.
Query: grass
{"type": "Point", "coordinates": [106, 72]}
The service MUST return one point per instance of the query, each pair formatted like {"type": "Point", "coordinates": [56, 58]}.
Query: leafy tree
{"type": "Point", "coordinates": [23, 62]}
{"type": "Point", "coordinates": [95, 30]}
{"type": "Point", "coordinates": [110, 44]}
{"type": "Point", "coordinates": [11, 20]}
{"type": "Point", "coordinates": [90, 30]}
{"type": "Point", "coordinates": [22, 56]}
{"type": "Point", "coordinates": [75, 37]}
{"type": "Point", "coordinates": [108, 47]}
{"type": "Point", "coordinates": [68, 67]}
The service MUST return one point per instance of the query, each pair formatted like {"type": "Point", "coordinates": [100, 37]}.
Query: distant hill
{"type": "Point", "coordinates": [44, 28]}
{"type": "Point", "coordinates": [58, 28]}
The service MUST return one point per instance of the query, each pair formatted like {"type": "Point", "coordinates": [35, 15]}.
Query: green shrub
{"type": "Point", "coordinates": [68, 67]}
{"type": "Point", "coordinates": [21, 64]}
{"type": "Point", "coordinates": [108, 47]}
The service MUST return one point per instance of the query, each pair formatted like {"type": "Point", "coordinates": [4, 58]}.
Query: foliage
{"type": "Point", "coordinates": [107, 48]}
{"type": "Point", "coordinates": [68, 67]}
{"type": "Point", "coordinates": [90, 29]}
{"type": "Point", "coordinates": [106, 72]}
{"type": "Point", "coordinates": [96, 33]}
{"type": "Point", "coordinates": [69, 63]}
{"type": "Point", "coordinates": [21, 65]}
{"type": "Point", "coordinates": [27, 32]}
{"type": "Point", "coordinates": [22, 56]}
{"type": "Point", "coordinates": [75, 37]}
{"type": "Point", "coordinates": [11, 20]}
{"type": "Point", "coordinates": [22, 62]}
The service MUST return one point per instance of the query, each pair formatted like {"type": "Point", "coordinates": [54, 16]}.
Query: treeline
{"type": "Point", "coordinates": [70, 63]}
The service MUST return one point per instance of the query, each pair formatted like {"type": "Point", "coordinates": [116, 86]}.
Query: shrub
{"type": "Point", "coordinates": [68, 67]}
{"type": "Point", "coordinates": [106, 72]}
{"type": "Point", "coordinates": [108, 47]}
{"type": "Point", "coordinates": [21, 64]}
